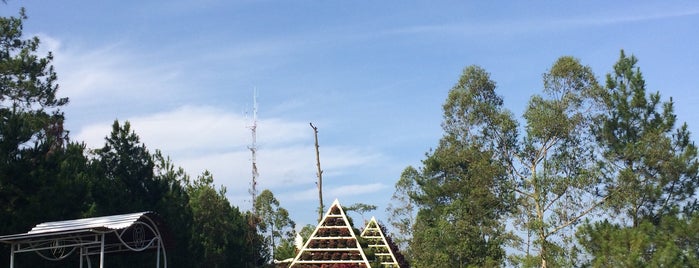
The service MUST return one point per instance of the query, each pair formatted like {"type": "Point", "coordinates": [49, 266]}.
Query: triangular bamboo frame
{"type": "Point", "coordinates": [313, 255]}
{"type": "Point", "coordinates": [379, 243]}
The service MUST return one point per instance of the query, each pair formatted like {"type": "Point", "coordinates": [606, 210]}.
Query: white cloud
{"type": "Point", "coordinates": [341, 192]}
{"type": "Point", "coordinates": [192, 129]}
{"type": "Point", "coordinates": [643, 16]}
{"type": "Point", "coordinates": [202, 138]}
{"type": "Point", "coordinates": [110, 72]}
{"type": "Point", "coordinates": [196, 128]}
{"type": "Point", "coordinates": [355, 189]}
{"type": "Point", "coordinates": [93, 135]}
{"type": "Point", "coordinates": [104, 83]}
{"type": "Point", "coordinates": [529, 25]}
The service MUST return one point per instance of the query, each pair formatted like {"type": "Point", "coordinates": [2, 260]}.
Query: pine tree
{"type": "Point", "coordinates": [651, 170]}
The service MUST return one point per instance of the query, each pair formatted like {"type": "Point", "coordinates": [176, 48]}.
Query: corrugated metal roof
{"type": "Point", "coordinates": [101, 223]}
{"type": "Point", "coordinates": [86, 225]}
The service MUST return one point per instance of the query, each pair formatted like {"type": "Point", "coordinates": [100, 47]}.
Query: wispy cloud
{"type": "Point", "coordinates": [205, 138]}
{"type": "Point", "coordinates": [529, 25]}
{"type": "Point", "coordinates": [121, 74]}
{"type": "Point", "coordinates": [356, 189]}
{"type": "Point", "coordinates": [110, 73]}
{"type": "Point", "coordinates": [106, 80]}
{"type": "Point", "coordinates": [612, 19]}
{"type": "Point", "coordinates": [340, 192]}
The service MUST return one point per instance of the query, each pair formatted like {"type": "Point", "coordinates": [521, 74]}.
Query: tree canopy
{"type": "Point", "coordinates": [591, 174]}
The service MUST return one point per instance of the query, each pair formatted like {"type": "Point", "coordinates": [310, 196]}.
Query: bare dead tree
{"type": "Point", "coordinates": [320, 176]}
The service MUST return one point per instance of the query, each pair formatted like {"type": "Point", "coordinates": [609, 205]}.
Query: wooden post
{"type": "Point", "coordinates": [321, 209]}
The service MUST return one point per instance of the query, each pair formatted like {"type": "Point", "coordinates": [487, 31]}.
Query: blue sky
{"type": "Point", "coordinates": [371, 75]}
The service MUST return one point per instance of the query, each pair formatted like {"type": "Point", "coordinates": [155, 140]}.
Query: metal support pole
{"type": "Point", "coordinates": [12, 256]}
{"type": "Point", "coordinates": [82, 254]}
{"type": "Point", "coordinates": [102, 252]}
{"type": "Point", "coordinates": [157, 262]}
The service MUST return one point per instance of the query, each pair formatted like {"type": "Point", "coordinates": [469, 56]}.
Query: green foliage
{"type": "Point", "coordinates": [42, 175]}
{"type": "Point", "coordinates": [552, 166]}
{"type": "Point", "coordinates": [650, 169]}
{"type": "Point", "coordinates": [360, 208]}
{"type": "Point", "coordinates": [27, 81]}
{"type": "Point", "coordinates": [460, 190]}
{"type": "Point", "coordinates": [306, 232]}
{"type": "Point", "coordinates": [173, 207]}
{"type": "Point", "coordinates": [127, 182]}
{"type": "Point", "coordinates": [31, 124]}
{"type": "Point", "coordinates": [400, 258]}
{"type": "Point", "coordinates": [402, 210]}
{"type": "Point", "coordinates": [671, 242]}
{"type": "Point", "coordinates": [285, 250]}
{"type": "Point", "coordinates": [653, 164]}
{"type": "Point", "coordinates": [219, 231]}
{"type": "Point", "coordinates": [275, 221]}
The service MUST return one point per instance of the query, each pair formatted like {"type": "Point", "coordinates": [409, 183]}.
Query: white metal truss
{"type": "Point", "coordinates": [323, 246]}
{"type": "Point", "coordinates": [58, 240]}
{"type": "Point", "coordinates": [377, 240]}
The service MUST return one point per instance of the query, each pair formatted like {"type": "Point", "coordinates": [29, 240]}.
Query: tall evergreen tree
{"type": "Point", "coordinates": [128, 178]}
{"type": "Point", "coordinates": [221, 234]}
{"type": "Point", "coordinates": [30, 119]}
{"type": "Point", "coordinates": [211, 212]}
{"type": "Point", "coordinates": [461, 192]}
{"type": "Point", "coordinates": [127, 182]}
{"type": "Point", "coordinates": [41, 173]}
{"type": "Point", "coordinates": [652, 166]}
{"type": "Point", "coordinates": [652, 162]}
{"type": "Point", "coordinates": [174, 208]}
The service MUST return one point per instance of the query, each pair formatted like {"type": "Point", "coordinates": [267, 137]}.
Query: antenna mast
{"type": "Point", "coordinates": [253, 150]}
{"type": "Point", "coordinates": [253, 219]}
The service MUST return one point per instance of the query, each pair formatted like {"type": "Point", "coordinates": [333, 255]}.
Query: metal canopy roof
{"type": "Point", "coordinates": [91, 236]}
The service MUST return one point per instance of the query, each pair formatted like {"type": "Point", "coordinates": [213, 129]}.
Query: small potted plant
{"type": "Point", "coordinates": [306, 256]}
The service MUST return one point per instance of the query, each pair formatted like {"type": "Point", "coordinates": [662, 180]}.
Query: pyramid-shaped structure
{"type": "Point", "coordinates": [377, 241]}
{"type": "Point", "coordinates": [332, 242]}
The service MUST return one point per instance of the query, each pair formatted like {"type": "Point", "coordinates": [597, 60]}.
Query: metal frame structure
{"type": "Point", "coordinates": [334, 212]}
{"type": "Point", "coordinates": [377, 240]}
{"type": "Point", "coordinates": [58, 240]}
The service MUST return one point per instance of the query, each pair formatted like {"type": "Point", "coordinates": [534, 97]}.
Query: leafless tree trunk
{"type": "Point", "coordinates": [321, 209]}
